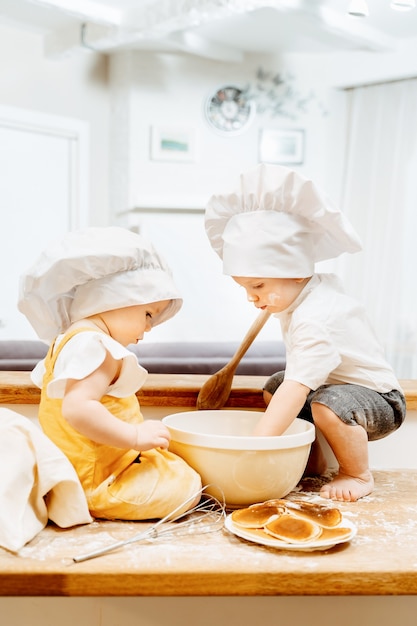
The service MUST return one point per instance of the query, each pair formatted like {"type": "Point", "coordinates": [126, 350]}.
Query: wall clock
{"type": "Point", "coordinates": [228, 111]}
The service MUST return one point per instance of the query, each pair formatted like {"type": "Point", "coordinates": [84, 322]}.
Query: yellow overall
{"type": "Point", "coordinates": [119, 484]}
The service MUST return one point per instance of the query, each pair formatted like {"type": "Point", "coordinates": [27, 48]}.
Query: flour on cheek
{"type": "Point", "coordinates": [274, 299]}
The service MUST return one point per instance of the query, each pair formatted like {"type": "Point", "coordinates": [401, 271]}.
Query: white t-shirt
{"type": "Point", "coordinates": [82, 355]}
{"type": "Point", "coordinates": [330, 340]}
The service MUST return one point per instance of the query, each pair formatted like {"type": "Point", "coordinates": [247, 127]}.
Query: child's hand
{"type": "Point", "coordinates": [151, 434]}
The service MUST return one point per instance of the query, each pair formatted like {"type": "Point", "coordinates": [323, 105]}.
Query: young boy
{"type": "Point", "coordinates": [269, 232]}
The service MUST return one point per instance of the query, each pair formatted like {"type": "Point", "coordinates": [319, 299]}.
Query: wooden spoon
{"type": "Point", "coordinates": [216, 390]}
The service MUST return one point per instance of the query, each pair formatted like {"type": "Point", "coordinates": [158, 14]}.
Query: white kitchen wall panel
{"type": "Point", "coordinates": [43, 193]}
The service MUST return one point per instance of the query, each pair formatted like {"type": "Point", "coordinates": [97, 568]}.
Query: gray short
{"type": "Point", "coordinates": [379, 413]}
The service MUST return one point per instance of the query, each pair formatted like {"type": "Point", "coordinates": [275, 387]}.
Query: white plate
{"type": "Point", "coordinates": [323, 544]}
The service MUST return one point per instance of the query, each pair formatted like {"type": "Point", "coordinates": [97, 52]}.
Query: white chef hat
{"type": "Point", "coordinates": [91, 271]}
{"type": "Point", "coordinates": [276, 224]}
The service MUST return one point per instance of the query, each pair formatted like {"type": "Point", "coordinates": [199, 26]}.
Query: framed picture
{"type": "Point", "coordinates": [172, 144]}
{"type": "Point", "coordinates": [285, 146]}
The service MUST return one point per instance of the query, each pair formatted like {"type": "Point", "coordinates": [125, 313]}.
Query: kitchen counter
{"type": "Point", "coordinates": [169, 390]}
{"type": "Point", "coordinates": [380, 560]}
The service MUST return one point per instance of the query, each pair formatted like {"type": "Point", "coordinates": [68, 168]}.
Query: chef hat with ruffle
{"type": "Point", "coordinates": [91, 271]}
{"type": "Point", "coordinates": [276, 224]}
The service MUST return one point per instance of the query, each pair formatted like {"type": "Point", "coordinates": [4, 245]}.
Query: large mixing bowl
{"type": "Point", "coordinates": [242, 468]}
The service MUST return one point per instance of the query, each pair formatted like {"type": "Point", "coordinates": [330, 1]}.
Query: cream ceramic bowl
{"type": "Point", "coordinates": [242, 468]}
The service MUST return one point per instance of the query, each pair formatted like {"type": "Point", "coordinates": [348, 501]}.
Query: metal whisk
{"type": "Point", "coordinates": [205, 517]}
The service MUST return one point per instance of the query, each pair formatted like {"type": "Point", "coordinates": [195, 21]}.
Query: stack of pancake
{"type": "Point", "coordinates": [292, 521]}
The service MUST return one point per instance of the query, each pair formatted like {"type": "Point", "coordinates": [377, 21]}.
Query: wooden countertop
{"type": "Point", "coordinates": [169, 390]}
{"type": "Point", "coordinates": [380, 560]}
{"type": "Point", "coordinates": [159, 390]}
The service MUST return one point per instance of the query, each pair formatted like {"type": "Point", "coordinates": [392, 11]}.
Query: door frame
{"type": "Point", "coordinates": [78, 133]}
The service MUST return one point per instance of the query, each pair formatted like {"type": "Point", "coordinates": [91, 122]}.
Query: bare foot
{"type": "Point", "coordinates": [346, 488]}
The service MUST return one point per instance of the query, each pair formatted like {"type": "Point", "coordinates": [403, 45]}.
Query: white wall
{"type": "Point", "coordinates": [167, 90]}
{"type": "Point", "coordinates": [123, 97]}
{"type": "Point", "coordinates": [73, 87]}
{"type": "Point", "coordinates": [144, 90]}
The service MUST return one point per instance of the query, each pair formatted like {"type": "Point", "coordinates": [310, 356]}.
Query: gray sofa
{"type": "Point", "coordinates": [262, 359]}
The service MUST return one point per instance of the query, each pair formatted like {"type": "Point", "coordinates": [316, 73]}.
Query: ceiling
{"type": "Point", "coordinates": [219, 29]}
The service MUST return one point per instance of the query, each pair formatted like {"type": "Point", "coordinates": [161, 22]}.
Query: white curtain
{"type": "Point", "coordinates": [380, 197]}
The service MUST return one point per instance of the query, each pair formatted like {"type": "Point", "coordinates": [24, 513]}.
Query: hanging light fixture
{"type": "Point", "coordinates": [358, 8]}
{"type": "Point", "coordinates": [403, 5]}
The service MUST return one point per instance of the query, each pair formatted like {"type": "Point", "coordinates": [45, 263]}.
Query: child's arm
{"type": "Point", "coordinates": [285, 405]}
{"type": "Point", "coordinates": [82, 408]}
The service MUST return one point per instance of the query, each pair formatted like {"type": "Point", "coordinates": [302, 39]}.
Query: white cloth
{"type": "Point", "coordinates": [275, 223]}
{"type": "Point", "coordinates": [91, 271]}
{"type": "Point", "coordinates": [329, 339]}
{"type": "Point", "coordinates": [82, 355]}
{"type": "Point", "coordinates": [38, 483]}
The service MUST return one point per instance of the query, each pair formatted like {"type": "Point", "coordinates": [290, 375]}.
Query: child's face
{"type": "Point", "coordinates": [129, 324]}
{"type": "Point", "coordinates": [272, 294]}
